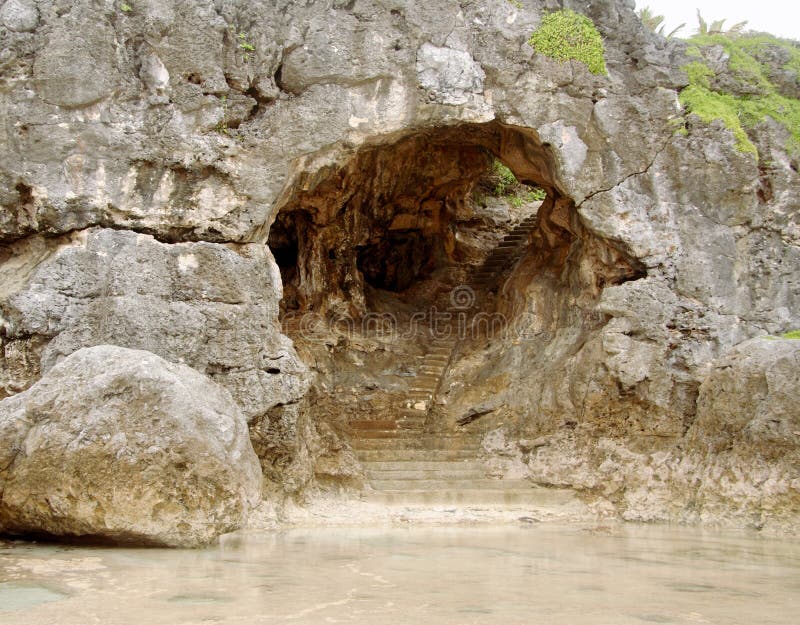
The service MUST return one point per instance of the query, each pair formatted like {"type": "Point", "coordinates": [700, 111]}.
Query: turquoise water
{"type": "Point", "coordinates": [427, 576]}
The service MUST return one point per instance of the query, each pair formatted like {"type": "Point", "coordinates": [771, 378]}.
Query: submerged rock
{"type": "Point", "coordinates": [118, 444]}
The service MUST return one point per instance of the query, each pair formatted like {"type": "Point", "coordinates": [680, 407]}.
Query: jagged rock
{"type": "Point", "coordinates": [76, 71]}
{"type": "Point", "coordinates": [451, 76]}
{"type": "Point", "coordinates": [212, 307]}
{"type": "Point", "coordinates": [743, 449]}
{"type": "Point", "coordinates": [145, 164]}
{"type": "Point", "coordinates": [120, 445]}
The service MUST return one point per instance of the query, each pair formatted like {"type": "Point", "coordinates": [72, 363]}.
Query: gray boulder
{"type": "Point", "coordinates": [749, 402]}
{"type": "Point", "coordinates": [742, 452]}
{"type": "Point", "coordinates": [120, 445]}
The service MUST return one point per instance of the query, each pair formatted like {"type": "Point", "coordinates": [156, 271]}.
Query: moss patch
{"type": "Point", "coordinates": [567, 35]}
{"type": "Point", "coordinates": [506, 185]}
{"type": "Point", "coordinates": [740, 112]}
{"type": "Point", "coordinates": [794, 334]}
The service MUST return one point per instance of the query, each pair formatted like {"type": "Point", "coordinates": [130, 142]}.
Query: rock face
{"type": "Point", "coordinates": [746, 433]}
{"type": "Point", "coordinates": [120, 445]}
{"type": "Point", "coordinates": [167, 174]}
{"type": "Point", "coordinates": [207, 305]}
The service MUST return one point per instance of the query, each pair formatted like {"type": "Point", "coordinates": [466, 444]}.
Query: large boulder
{"type": "Point", "coordinates": [118, 444]}
{"type": "Point", "coordinates": [743, 449]}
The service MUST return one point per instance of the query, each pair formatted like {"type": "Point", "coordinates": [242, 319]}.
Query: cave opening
{"type": "Point", "coordinates": [465, 223]}
{"type": "Point", "coordinates": [402, 220]}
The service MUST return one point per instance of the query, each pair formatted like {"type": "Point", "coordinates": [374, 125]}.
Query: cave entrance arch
{"type": "Point", "coordinates": [384, 234]}
{"type": "Point", "coordinates": [390, 217]}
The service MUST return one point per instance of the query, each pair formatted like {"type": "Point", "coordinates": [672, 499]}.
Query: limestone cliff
{"type": "Point", "coordinates": [183, 177]}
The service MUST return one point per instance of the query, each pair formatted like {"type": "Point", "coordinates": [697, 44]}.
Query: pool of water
{"type": "Point", "coordinates": [425, 576]}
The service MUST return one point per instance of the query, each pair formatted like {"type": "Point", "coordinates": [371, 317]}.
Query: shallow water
{"type": "Point", "coordinates": [427, 576]}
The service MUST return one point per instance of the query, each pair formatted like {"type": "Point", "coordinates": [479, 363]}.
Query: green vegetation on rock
{"type": "Point", "coordinates": [567, 35]}
{"type": "Point", "coordinates": [506, 185]}
{"type": "Point", "coordinates": [757, 96]}
{"type": "Point", "coordinates": [794, 334]}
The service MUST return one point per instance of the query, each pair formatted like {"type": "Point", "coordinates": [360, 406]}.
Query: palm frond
{"type": "Point", "coordinates": [650, 20]}
{"type": "Point", "coordinates": [737, 28]}
{"type": "Point", "coordinates": [671, 33]}
{"type": "Point", "coordinates": [702, 27]}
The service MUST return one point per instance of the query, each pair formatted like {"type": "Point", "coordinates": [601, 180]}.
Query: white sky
{"type": "Point", "coordinates": [779, 17]}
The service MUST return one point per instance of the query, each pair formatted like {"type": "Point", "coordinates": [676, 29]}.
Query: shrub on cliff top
{"type": "Point", "coordinates": [567, 35]}
{"type": "Point", "coordinates": [739, 112]}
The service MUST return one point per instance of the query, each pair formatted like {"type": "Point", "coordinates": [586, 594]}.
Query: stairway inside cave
{"type": "Point", "coordinates": [420, 224]}
{"type": "Point", "coordinates": [408, 457]}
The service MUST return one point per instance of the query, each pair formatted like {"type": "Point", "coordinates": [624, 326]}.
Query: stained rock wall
{"type": "Point", "coordinates": [143, 162]}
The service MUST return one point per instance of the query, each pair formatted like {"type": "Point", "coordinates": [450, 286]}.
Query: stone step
{"type": "Point", "coordinates": [428, 383]}
{"type": "Point", "coordinates": [423, 376]}
{"type": "Point", "coordinates": [394, 432]}
{"type": "Point", "coordinates": [373, 424]}
{"type": "Point", "coordinates": [400, 443]}
{"type": "Point", "coordinates": [418, 426]}
{"type": "Point", "coordinates": [413, 464]}
{"type": "Point", "coordinates": [434, 441]}
{"type": "Point", "coordinates": [386, 425]}
{"type": "Point", "coordinates": [412, 413]}
{"type": "Point", "coordinates": [443, 342]}
{"type": "Point", "coordinates": [440, 351]}
{"type": "Point", "coordinates": [454, 474]}
{"type": "Point", "coordinates": [529, 498]}
{"type": "Point", "coordinates": [401, 435]}
{"type": "Point", "coordinates": [451, 484]}
{"type": "Point", "coordinates": [437, 360]}
{"type": "Point", "coordinates": [415, 455]}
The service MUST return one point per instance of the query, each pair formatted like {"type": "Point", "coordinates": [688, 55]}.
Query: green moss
{"type": "Point", "coordinates": [794, 334]}
{"type": "Point", "coordinates": [739, 113]}
{"type": "Point", "coordinates": [505, 178]}
{"type": "Point", "coordinates": [709, 105]}
{"type": "Point", "coordinates": [744, 67]}
{"type": "Point", "coordinates": [506, 185]}
{"type": "Point", "coordinates": [699, 74]}
{"type": "Point", "coordinates": [756, 44]}
{"type": "Point", "coordinates": [567, 35]}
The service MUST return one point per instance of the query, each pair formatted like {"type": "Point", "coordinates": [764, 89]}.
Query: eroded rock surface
{"type": "Point", "coordinates": [121, 445]}
{"type": "Point", "coordinates": [147, 166]}
{"type": "Point", "coordinates": [209, 306]}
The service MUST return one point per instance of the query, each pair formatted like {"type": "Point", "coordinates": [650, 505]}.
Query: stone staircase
{"type": "Point", "coordinates": [485, 277]}
{"type": "Point", "coordinates": [405, 459]}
